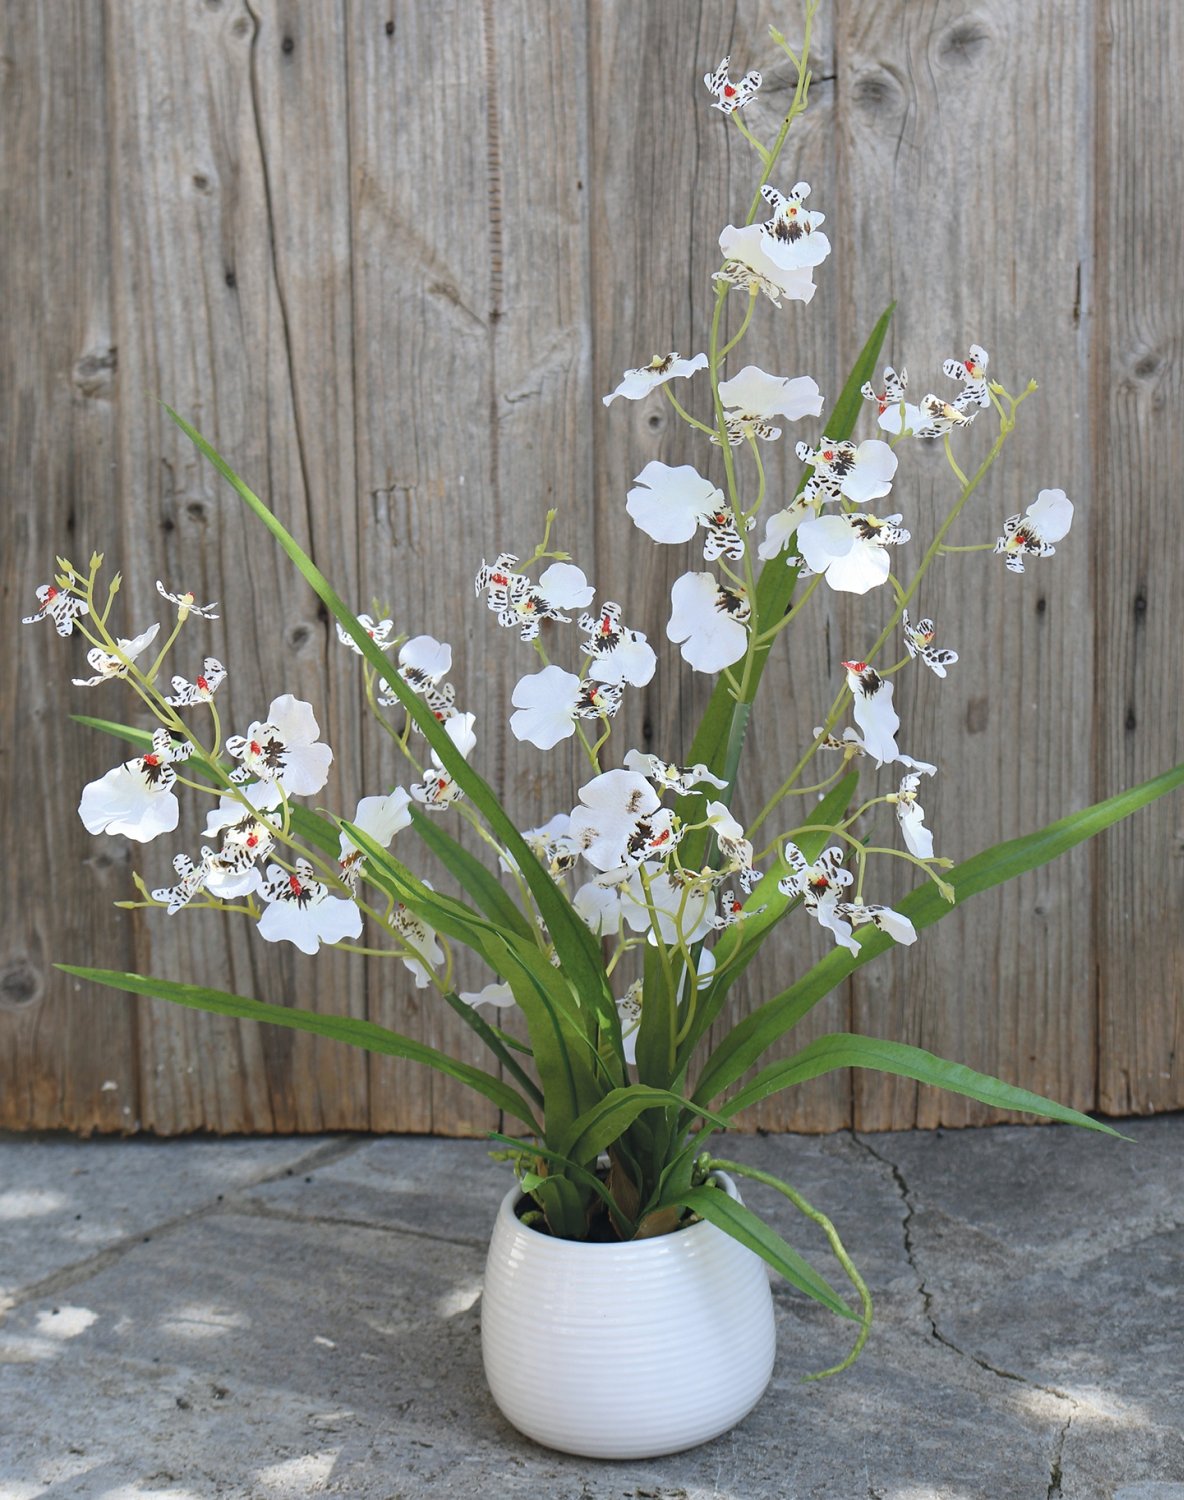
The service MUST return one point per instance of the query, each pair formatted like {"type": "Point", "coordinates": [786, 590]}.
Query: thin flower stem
{"type": "Point", "coordinates": [973, 547]}
{"type": "Point", "coordinates": [753, 294]}
{"type": "Point", "coordinates": [760, 471]}
{"type": "Point", "coordinates": [836, 1245]}
{"type": "Point", "coordinates": [684, 414]}
{"type": "Point", "coordinates": [663, 953]}
{"type": "Point", "coordinates": [343, 947]}
{"type": "Point", "coordinates": [774, 631]}
{"type": "Point", "coordinates": [953, 462]}
{"type": "Point", "coordinates": [198, 786]}
{"type": "Point", "coordinates": [761, 151]}
{"type": "Point", "coordinates": [168, 646]}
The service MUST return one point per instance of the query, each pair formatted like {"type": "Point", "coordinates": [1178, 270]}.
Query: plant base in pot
{"type": "Point", "coordinates": [624, 1350]}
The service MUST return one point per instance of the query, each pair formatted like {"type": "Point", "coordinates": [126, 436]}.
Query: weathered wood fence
{"type": "Point", "coordinates": [388, 256]}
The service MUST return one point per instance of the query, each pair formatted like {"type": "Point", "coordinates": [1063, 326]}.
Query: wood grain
{"type": "Point", "coordinates": [64, 1058]}
{"type": "Point", "coordinates": [1138, 453]}
{"type": "Point", "coordinates": [388, 257]}
{"type": "Point", "coordinates": [960, 220]}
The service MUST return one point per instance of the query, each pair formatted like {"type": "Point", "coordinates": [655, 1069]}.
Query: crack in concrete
{"type": "Point", "coordinates": [246, 1209]}
{"type": "Point", "coordinates": [82, 1270]}
{"type": "Point", "coordinates": [1055, 1477]}
{"type": "Point", "coordinates": [928, 1296]}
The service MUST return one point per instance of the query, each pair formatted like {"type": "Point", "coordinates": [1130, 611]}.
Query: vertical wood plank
{"type": "Point", "coordinates": [66, 1059]}
{"type": "Point", "coordinates": [473, 382]}
{"type": "Point", "coordinates": [232, 288]}
{"type": "Point", "coordinates": [1138, 296]}
{"type": "Point", "coordinates": [967, 169]}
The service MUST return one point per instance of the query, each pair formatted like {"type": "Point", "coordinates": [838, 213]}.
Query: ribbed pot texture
{"type": "Point", "coordinates": [628, 1350]}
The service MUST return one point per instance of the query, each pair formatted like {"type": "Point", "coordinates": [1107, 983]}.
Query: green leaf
{"type": "Point", "coordinates": [579, 1174]}
{"type": "Point", "coordinates": [753, 1036]}
{"type": "Point", "coordinates": [484, 887]}
{"type": "Point", "coordinates": [347, 1029]}
{"type": "Point", "coordinates": [577, 948]}
{"type": "Point", "coordinates": [714, 1205]}
{"type": "Point", "coordinates": [846, 1050]}
{"type": "Point", "coordinates": [611, 1116]}
{"type": "Point", "coordinates": [562, 1053]}
{"type": "Point", "coordinates": [496, 1045]}
{"type": "Point", "coordinates": [565, 1206]}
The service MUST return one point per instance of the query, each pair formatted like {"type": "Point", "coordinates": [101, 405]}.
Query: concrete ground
{"type": "Point", "coordinates": [267, 1318]}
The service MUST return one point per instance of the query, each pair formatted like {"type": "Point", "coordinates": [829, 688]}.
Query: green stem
{"type": "Point", "coordinates": [836, 1246]}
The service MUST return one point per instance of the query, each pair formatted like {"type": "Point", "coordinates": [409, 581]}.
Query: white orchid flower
{"type": "Point", "coordinates": [671, 778]}
{"type": "Point", "coordinates": [791, 238]}
{"type": "Point", "coordinates": [379, 817]}
{"type": "Point", "coordinates": [708, 621]}
{"type": "Point", "coordinates": [438, 790]}
{"type": "Point", "coordinates": [549, 703]}
{"type": "Point", "coordinates": [284, 748]}
{"type": "Point", "coordinates": [670, 503]}
{"type": "Point", "coordinates": [186, 604]}
{"type": "Point", "coordinates": [748, 267]}
{"type": "Point", "coordinates": [820, 885]}
{"type": "Point", "coordinates": [301, 911]}
{"type": "Point", "coordinates": [972, 372]}
{"type": "Point", "coordinates": [137, 798]}
{"type": "Point", "coordinates": [499, 995]}
{"type": "Point", "coordinates": [889, 402]}
{"type": "Point", "coordinates": [894, 923]}
{"type": "Point", "coordinates": [59, 606]}
{"type": "Point", "coordinates": [918, 641]}
{"type": "Point", "coordinates": [426, 955]}
{"type": "Point", "coordinates": [851, 743]}
{"type": "Point", "coordinates": [873, 711]}
{"type": "Point", "coordinates": [911, 817]}
{"type": "Point", "coordinates": [618, 655]}
{"type": "Point", "coordinates": [730, 96]}
{"type": "Point", "coordinates": [849, 549]}
{"type": "Point", "coordinates": [379, 631]}
{"type": "Point", "coordinates": [862, 473]}
{"type": "Point", "coordinates": [734, 847]}
{"type": "Point", "coordinates": [1046, 520]}
{"type": "Point", "coordinates": [751, 398]}
{"type": "Point", "coordinates": [109, 664]}
{"type": "Point", "coordinates": [201, 689]}
{"type": "Point", "coordinates": [620, 821]}
{"type": "Point", "coordinates": [639, 383]}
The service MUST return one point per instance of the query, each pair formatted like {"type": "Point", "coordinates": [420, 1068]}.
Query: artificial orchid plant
{"type": "Point", "coordinates": [619, 926]}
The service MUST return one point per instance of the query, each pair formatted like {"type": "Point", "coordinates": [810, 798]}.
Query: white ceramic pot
{"type": "Point", "coordinates": [624, 1350]}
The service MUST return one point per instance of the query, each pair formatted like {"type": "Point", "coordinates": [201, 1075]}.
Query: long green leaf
{"type": "Point", "coordinates": [349, 1029]}
{"type": "Point", "coordinates": [846, 1050]}
{"type": "Point", "coordinates": [742, 1224]}
{"type": "Point", "coordinates": [562, 1053]}
{"type": "Point", "coordinates": [753, 1036]}
{"type": "Point", "coordinates": [574, 942]}
{"type": "Point", "coordinates": [611, 1116]}
{"type": "Point", "coordinates": [483, 886]}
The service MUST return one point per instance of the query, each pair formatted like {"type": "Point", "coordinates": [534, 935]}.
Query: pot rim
{"type": "Point", "coordinates": [654, 1245]}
